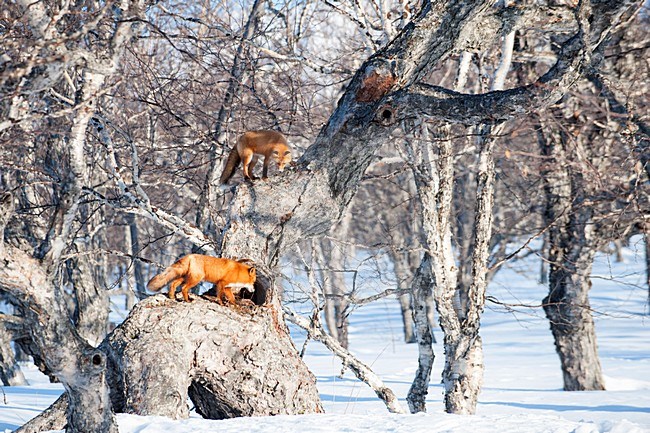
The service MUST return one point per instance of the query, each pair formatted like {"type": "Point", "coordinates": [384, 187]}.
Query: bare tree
{"type": "Point", "coordinates": [158, 172]}
{"type": "Point", "coordinates": [61, 72]}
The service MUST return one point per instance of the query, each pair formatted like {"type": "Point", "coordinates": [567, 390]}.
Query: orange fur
{"type": "Point", "coordinates": [190, 270]}
{"type": "Point", "coordinates": [271, 144]}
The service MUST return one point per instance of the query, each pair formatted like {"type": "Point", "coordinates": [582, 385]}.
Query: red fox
{"type": "Point", "coordinates": [272, 144]}
{"type": "Point", "coordinates": [226, 274]}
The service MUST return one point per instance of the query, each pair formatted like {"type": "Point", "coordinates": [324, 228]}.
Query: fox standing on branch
{"type": "Point", "coordinates": [226, 274]}
{"type": "Point", "coordinates": [272, 144]}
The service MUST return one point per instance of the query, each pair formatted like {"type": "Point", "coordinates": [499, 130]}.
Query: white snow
{"type": "Point", "coordinates": [522, 390]}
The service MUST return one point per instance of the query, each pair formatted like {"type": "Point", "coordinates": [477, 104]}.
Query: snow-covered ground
{"type": "Point", "coordinates": [523, 384]}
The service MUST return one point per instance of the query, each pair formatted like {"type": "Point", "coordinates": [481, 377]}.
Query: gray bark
{"type": "Point", "coordinates": [92, 303]}
{"type": "Point", "coordinates": [78, 366]}
{"type": "Point", "coordinates": [136, 264]}
{"type": "Point", "coordinates": [232, 362]}
{"type": "Point", "coordinates": [10, 373]}
{"type": "Point", "coordinates": [572, 247]}
{"type": "Point", "coordinates": [646, 239]}
{"type": "Point", "coordinates": [463, 372]}
{"type": "Point", "coordinates": [404, 276]}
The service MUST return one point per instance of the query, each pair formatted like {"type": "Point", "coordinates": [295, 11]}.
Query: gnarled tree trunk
{"type": "Point", "coordinates": [230, 361]}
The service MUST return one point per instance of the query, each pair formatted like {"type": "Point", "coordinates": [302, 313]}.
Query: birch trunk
{"type": "Point", "coordinates": [78, 366]}
{"type": "Point", "coordinates": [422, 283]}
{"type": "Point", "coordinates": [463, 372]}
{"type": "Point", "coordinates": [404, 275]}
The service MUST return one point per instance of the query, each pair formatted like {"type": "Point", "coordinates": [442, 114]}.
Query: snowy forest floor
{"type": "Point", "coordinates": [522, 389]}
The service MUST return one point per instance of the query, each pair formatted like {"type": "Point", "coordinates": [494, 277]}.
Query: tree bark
{"type": "Point", "coordinates": [404, 276]}
{"type": "Point", "coordinates": [463, 372]}
{"type": "Point", "coordinates": [92, 303]}
{"type": "Point", "coordinates": [422, 283]}
{"type": "Point", "coordinates": [79, 366]}
{"type": "Point", "coordinates": [234, 361]}
{"type": "Point", "coordinates": [572, 247]}
{"type": "Point", "coordinates": [10, 373]}
{"type": "Point", "coordinates": [646, 239]}
{"type": "Point", "coordinates": [138, 272]}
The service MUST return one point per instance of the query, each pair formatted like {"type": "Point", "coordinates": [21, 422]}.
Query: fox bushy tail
{"type": "Point", "coordinates": [169, 274]}
{"type": "Point", "coordinates": [231, 165]}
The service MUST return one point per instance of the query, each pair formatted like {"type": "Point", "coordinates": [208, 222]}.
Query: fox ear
{"type": "Point", "coordinates": [251, 271]}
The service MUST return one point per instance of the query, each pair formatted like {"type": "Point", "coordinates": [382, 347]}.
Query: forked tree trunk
{"type": "Point", "coordinates": [230, 361]}
{"type": "Point", "coordinates": [79, 366]}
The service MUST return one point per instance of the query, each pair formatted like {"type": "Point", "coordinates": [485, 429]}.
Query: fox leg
{"type": "Point", "coordinates": [190, 282]}
{"type": "Point", "coordinates": [251, 166]}
{"type": "Point", "coordinates": [248, 163]}
{"type": "Point", "coordinates": [172, 287]}
{"type": "Point", "coordinates": [229, 296]}
{"type": "Point", "coordinates": [219, 288]}
{"type": "Point", "coordinates": [265, 170]}
{"type": "Point", "coordinates": [222, 291]}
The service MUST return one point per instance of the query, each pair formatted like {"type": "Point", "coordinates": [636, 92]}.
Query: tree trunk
{"type": "Point", "coordinates": [422, 283]}
{"type": "Point", "coordinates": [646, 239]}
{"type": "Point", "coordinates": [230, 361]}
{"type": "Point", "coordinates": [10, 373]}
{"type": "Point", "coordinates": [91, 306]}
{"type": "Point", "coordinates": [78, 366]}
{"type": "Point", "coordinates": [571, 250]}
{"type": "Point", "coordinates": [404, 275]}
{"type": "Point", "coordinates": [136, 263]}
{"type": "Point", "coordinates": [567, 309]}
